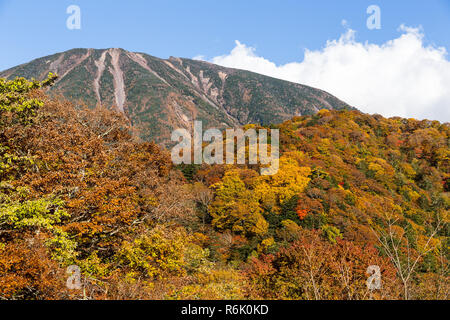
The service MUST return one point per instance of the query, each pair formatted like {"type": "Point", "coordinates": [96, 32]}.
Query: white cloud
{"type": "Point", "coordinates": [401, 77]}
{"type": "Point", "coordinates": [199, 57]}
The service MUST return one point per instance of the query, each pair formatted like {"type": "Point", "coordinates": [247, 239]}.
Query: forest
{"type": "Point", "coordinates": [81, 195]}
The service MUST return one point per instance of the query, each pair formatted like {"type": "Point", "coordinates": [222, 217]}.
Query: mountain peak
{"type": "Point", "coordinates": [158, 95]}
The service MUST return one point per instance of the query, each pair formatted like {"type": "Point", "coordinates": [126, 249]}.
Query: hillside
{"type": "Point", "coordinates": [159, 95]}
{"type": "Point", "coordinates": [353, 190]}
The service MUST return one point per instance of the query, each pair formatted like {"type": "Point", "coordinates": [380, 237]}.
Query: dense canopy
{"type": "Point", "coordinates": [78, 188]}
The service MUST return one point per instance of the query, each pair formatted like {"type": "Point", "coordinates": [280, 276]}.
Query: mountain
{"type": "Point", "coordinates": [158, 95]}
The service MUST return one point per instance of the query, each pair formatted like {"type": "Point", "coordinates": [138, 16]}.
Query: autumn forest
{"type": "Point", "coordinates": [78, 187]}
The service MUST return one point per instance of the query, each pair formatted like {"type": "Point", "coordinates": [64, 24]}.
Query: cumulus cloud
{"type": "Point", "coordinates": [402, 77]}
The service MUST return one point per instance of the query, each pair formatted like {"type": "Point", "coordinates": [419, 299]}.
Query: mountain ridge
{"type": "Point", "coordinates": [158, 95]}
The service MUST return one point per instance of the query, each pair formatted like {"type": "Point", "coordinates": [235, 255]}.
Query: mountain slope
{"type": "Point", "coordinates": [159, 95]}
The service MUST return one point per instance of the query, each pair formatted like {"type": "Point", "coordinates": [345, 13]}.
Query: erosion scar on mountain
{"type": "Point", "coordinates": [100, 68]}
{"type": "Point", "coordinates": [119, 86]}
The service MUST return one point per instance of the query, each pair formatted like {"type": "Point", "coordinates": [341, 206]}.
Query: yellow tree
{"type": "Point", "coordinates": [290, 180]}
{"type": "Point", "coordinates": [236, 208]}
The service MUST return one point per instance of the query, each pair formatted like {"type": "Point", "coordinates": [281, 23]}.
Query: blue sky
{"type": "Point", "coordinates": [279, 30]}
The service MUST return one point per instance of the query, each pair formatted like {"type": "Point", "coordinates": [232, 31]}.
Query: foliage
{"type": "Point", "coordinates": [77, 187]}
{"type": "Point", "coordinates": [236, 208]}
{"type": "Point", "coordinates": [311, 268]}
{"type": "Point", "coordinates": [153, 255]}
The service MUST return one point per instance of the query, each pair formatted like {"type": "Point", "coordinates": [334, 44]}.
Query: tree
{"type": "Point", "coordinates": [398, 247]}
{"type": "Point", "coordinates": [311, 268]}
{"type": "Point", "coordinates": [236, 208]}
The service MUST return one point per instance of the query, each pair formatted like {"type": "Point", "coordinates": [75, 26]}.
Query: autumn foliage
{"type": "Point", "coordinates": [78, 188]}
